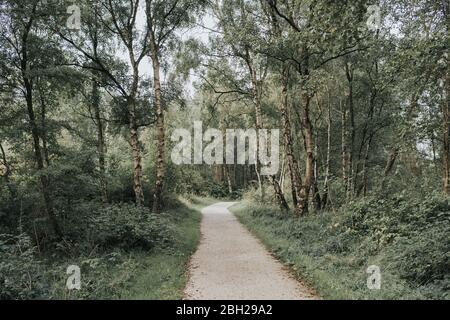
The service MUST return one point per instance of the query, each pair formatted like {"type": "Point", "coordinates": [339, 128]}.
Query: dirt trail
{"type": "Point", "coordinates": [231, 264]}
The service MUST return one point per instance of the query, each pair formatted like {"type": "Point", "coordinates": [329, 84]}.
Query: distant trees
{"type": "Point", "coordinates": [284, 36]}
{"type": "Point", "coordinates": [320, 72]}
{"type": "Point", "coordinates": [424, 53]}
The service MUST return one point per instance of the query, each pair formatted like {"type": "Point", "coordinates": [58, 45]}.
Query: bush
{"type": "Point", "coordinates": [129, 226]}
{"type": "Point", "coordinates": [21, 274]}
{"type": "Point", "coordinates": [76, 219]}
{"type": "Point", "coordinates": [410, 234]}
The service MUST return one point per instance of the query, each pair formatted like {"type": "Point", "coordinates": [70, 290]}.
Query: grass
{"type": "Point", "coordinates": [162, 275]}
{"type": "Point", "coordinates": [332, 263]}
{"type": "Point", "coordinates": [135, 274]}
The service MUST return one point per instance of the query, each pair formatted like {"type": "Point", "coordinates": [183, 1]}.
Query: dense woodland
{"type": "Point", "coordinates": [361, 99]}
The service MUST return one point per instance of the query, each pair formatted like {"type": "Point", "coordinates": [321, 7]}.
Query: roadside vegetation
{"type": "Point", "coordinates": [127, 253]}
{"type": "Point", "coordinates": [407, 237]}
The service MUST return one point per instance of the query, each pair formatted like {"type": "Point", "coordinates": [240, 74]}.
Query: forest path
{"type": "Point", "coordinates": [231, 264]}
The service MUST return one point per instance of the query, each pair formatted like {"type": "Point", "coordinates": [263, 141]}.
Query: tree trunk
{"type": "Point", "coordinates": [44, 129]}
{"type": "Point", "coordinates": [279, 194]}
{"type": "Point", "coordinates": [446, 109]}
{"type": "Point", "coordinates": [7, 173]}
{"type": "Point", "coordinates": [344, 147]}
{"type": "Point", "coordinates": [136, 151]}
{"type": "Point", "coordinates": [326, 188]}
{"type": "Point", "coordinates": [159, 113]}
{"type": "Point", "coordinates": [365, 178]}
{"type": "Point", "coordinates": [282, 174]}
{"type": "Point", "coordinates": [229, 183]}
{"type": "Point", "coordinates": [259, 121]}
{"type": "Point", "coordinates": [101, 145]}
{"type": "Point", "coordinates": [133, 127]}
{"type": "Point", "coordinates": [309, 146]}
{"type": "Point", "coordinates": [446, 138]}
{"type": "Point", "coordinates": [259, 125]}
{"type": "Point", "coordinates": [293, 188]}
{"type": "Point", "coordinates": [218, 173]}
{"type": "Point", "coordinates": [350, 168]}
{"type": "Point", "coordinates": [294, 172]}
{"type": "Point", "coordinates": [44, 179]}
{"type": "Point", "coordinates": [433, 147]}
{"type": "Point", "coordinates": [391, 161]}
{"type": "Point", "coordinates": [316, 193]}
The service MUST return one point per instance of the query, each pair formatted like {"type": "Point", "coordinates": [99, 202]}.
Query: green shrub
{"type": "Point", "coordinates": [129, 226]}
{"type": "Point", "coordinates": [21, 275]}
{"type": "Point", "coordinates": [410, 234]}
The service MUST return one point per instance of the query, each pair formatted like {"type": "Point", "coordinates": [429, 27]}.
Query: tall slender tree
{"type": "Point", "coordinates": [164, 20]}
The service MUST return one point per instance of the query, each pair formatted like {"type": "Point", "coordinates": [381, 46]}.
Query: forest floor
{"type": "Point", "coordinates": [231, 264]}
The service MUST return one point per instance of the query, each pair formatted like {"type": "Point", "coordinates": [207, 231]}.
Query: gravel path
{"type": "Point", "coordinates": [231, 264]}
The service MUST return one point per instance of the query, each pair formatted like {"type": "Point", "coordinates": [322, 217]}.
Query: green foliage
{"type": "Point", "coordinates": [20, 273]}
{"type": "Point", "coordinates": [102, 276]}
{"type": "Point", "coordinates": [130, 226]}
{"type": "Point", "coordinates": [406, 236]}
{"type": "Point", "coordinates": [7, 209]}
{"type": "Point", "coordinates": [110, 256]}
{"type": "Point", "coordinates": [187, 181]}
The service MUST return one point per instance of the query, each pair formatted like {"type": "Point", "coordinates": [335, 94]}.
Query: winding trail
{"type": "Point", "coordinates": [231, 264]}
